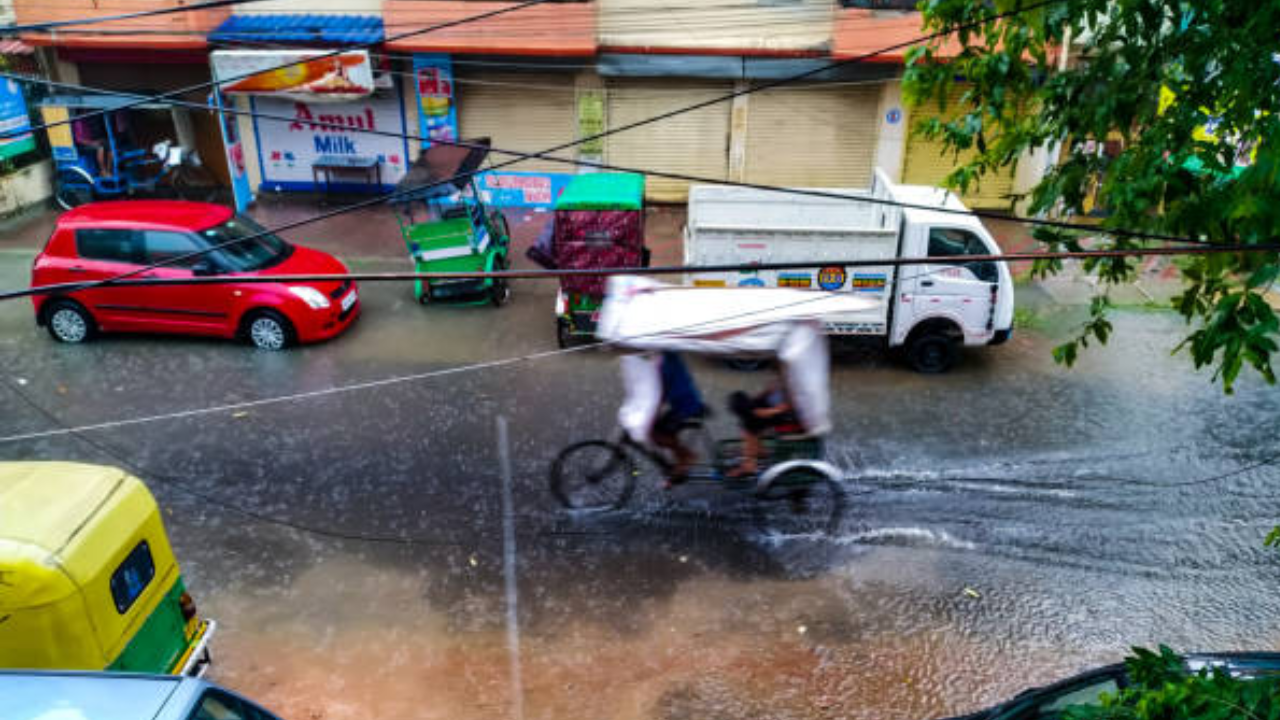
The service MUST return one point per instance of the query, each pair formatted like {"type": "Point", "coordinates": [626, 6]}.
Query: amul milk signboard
{"type": "Point", "coordinates": [287, 149]}
{"type": "Point", "coordinates": [313, 75]}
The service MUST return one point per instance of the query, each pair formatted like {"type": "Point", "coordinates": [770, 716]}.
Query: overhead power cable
{"type": "Point", "coordinates": [724, 98]}
{"type": "Point", "coordinates": [949, 260]}
{"type": "Point", "coordinates": [168, 94]}
{"type": "Point", "coordinates": [66, 429]}
{"type": "Point", "coordinates": [53, 25]}
{"type": "Point", "coordinates": [807, 192]}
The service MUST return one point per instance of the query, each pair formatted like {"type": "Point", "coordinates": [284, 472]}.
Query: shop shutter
{"type": "Point", "coordinates": [927, 162]}
{"type": "Point", "coordinates": [812, 137]}
{"type": "Point", "coordinates": [693, 143]}
{"type": "Point", "coordinates": [525, 112]}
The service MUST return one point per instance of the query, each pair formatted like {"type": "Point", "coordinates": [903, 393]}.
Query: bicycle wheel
{"type": "Point", "coordinates": [72, 187]}
{"type": "Point", "coordinates": [799, 503]}
{"type": "Point", "coordinates": [593, 475]}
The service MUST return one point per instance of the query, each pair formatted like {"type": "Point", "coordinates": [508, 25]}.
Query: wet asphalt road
{"type": "Point", "coordinates": [1009, 523]}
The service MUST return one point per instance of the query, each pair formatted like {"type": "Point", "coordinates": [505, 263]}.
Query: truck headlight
{"type": "Point", "coordinates": [311, 296]}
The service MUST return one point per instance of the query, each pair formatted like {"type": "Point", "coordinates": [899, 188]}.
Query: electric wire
{"type": "Point", "coordinates": [54, 24]}
{"type": "Point", "coordinates": [82, 432]}
{"type": "Point", "coordinates": [310, 58]}
{"type": "Point", "coordinates": [611, 131]}
{"type": "Point", "coordinates": [599, 165]}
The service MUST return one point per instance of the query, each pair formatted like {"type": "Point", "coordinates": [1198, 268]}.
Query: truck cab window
{"type": "Point", "coordinates": [950, 242]}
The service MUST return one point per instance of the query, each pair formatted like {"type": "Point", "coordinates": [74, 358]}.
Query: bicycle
{"type": "Point", "coordinates": [796, 493]}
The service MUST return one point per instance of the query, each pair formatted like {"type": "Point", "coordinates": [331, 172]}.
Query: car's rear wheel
{"type": "Point", "coordinates": [268, 330]}
{"type": "Point", "coordinates": [69, 322]}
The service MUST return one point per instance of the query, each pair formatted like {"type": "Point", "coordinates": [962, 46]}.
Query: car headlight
{"type": "Point", "coordinates": [311, 296]}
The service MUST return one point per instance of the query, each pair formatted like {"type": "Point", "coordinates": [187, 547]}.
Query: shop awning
{"type": "Point", "coordinates": [174, 31]}
{"type": "Point", "coordinates": [555, 28]}
{"type": "Point", "coordinates": [299, 29]}
{"type": "Point", "coordinates": [860, 32]}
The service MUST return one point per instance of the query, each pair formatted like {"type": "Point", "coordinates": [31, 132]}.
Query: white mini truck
{"type": "Point", "coordinates": [928, 310]}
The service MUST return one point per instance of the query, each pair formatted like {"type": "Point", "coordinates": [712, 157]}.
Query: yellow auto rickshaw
{"type": "Point", "coordinates": [88, 580]}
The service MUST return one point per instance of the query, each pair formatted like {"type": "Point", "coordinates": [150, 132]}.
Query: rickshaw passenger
{"type": "Point", "coordinates": [769, 410]}
{"type": "Point", "coordinates": [88, 132]}
{"type": "Point", "coordinates": [681, 403]}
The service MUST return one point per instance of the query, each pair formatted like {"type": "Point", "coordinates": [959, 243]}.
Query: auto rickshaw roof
{"type": "Point", "coordinates": [45, 504]}
{"type": "Point", "coordinates": [603, 191]}
{"type": "Point", "coordinates": [437, 169]}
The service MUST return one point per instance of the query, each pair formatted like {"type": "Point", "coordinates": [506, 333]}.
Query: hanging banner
{"type": "Point", "coordinates": [437, 107]}
{"type": "Point", "coordinates": [590, 124]}
{"type": "Point", "coordinates": [289, 149]}
{"type": "Point", "coordinates": [241, 194]}
{"type": "Point", "coordinates": [325, 78]}
{"type": "Point", "coordinates": [15, 121]}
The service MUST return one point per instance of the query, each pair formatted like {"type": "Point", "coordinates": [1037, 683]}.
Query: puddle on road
{"type": "Point", "coordinates": [349, 640]}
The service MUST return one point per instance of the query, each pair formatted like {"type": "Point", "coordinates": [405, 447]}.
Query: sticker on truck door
{"type": "Point", "coordinates": [869, 282]}
{"type": "Point", "coordinates": [831, 277]}
{"type": "Point", "coordinates": [795, 280]}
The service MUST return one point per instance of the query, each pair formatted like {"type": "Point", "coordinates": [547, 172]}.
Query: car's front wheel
{"type": "Point", "coordinates": [268, 330]}
{"type": "Point", "coordinates": [69, 322]}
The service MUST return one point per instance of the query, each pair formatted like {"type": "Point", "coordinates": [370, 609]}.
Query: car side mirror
{"type": "Point", "coordinates": [203, 268]}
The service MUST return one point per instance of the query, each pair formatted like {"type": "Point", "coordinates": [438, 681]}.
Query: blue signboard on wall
{"type": "Point", "coordinates": [521, 189]}
{"type": "Point", "coordinates": [15, 122]}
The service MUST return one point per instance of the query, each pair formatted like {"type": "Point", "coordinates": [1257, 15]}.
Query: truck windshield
{"type": "Point", "coordinates": [256, 250]}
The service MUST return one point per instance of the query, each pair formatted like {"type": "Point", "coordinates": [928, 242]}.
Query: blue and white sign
{"type": "Point", "coordinates": [521, 189]}
{"type": "Point", "coordinates": [287, 149]}
{"type": "Point", "coordinates": [15, 121]}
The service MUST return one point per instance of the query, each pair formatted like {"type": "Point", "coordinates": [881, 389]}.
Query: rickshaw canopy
{"type": "Point", "coordinates": [101, 102]}
{"type": "Point", "coordinates": [643, 314]}
{"type": "Point", "coordinates": [441, 170]}
{"type": "Point", "coordinates": [603, 191]}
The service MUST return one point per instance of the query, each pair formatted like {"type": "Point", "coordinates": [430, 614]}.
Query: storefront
{"type": "Point", "coordinates": [310, 123]}
{"type": "Point", "coordinates": [813, 136]}
{"type": "Point", "coordinates": [929, 161]}
{"type": "Point", "coordinates": [692, 143]}
{"type": "Point", "coordinates": [143, 72]}
{"type": "Point", "coordinates": [525, 91]}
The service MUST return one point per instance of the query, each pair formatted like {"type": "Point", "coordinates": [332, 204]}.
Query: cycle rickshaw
{"type": "Point", "coordinates": [796, 491]}
{"type": "Point", "coordinates": [447, 227]}
{"type": "Point", "coordinates": [113, 166]}
{"type": "Point", "coordinates": [598, 223]}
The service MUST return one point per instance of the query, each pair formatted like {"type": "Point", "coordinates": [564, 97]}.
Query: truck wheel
{"type": "Point", "coordinates": [932, 353]}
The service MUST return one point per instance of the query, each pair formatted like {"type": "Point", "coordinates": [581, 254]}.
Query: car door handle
{"type": "Point", "coordinates": [76, 269]}
{"type": "Point", "coordinates": [926, 283]}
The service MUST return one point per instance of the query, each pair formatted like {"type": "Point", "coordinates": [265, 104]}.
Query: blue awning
{"type": "Point", "coordinates": [300, 29]}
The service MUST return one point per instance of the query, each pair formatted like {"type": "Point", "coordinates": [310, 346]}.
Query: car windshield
{"type": "Point", "coordinates": [257, 249]}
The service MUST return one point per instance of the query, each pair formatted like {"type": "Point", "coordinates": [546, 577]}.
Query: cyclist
{"type": "Point", "coordinates": [681, 403]}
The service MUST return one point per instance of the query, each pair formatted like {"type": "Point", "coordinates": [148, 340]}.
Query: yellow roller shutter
{"type": "Point", "coordinates": [523, 112]}
{"type": "Point", "coordinates": [928, 163]}
{"type": "Point", "coordinates": [694, 143]}
{"type": "Point", "coordinates": [812, 137]}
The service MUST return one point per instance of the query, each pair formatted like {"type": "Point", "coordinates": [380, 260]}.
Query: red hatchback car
{"type": "Point", "coordinates": [102, 240]}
